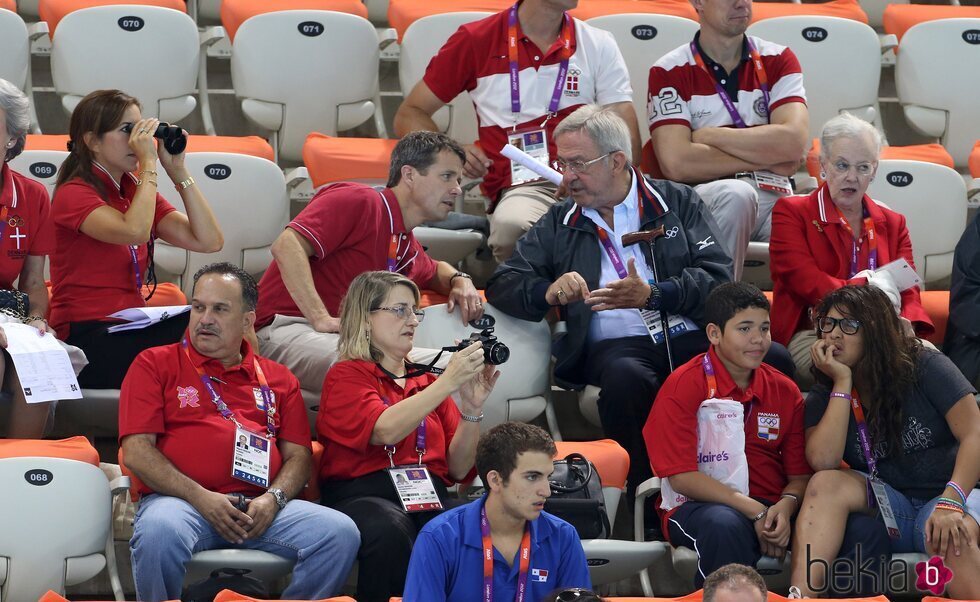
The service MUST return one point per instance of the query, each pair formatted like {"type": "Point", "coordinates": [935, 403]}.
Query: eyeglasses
{"type": "Point", "coordinates": [827, 324]}
{"type": "Point", "coordinates": [402, 312]}
{"type": "Point", "coordinates": [562, 166]}
{"type": "Point", "coordinates": [863, 169]}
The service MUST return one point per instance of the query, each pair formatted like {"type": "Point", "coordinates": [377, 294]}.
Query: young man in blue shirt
{"type": "Point", "coordinates": [529, 553]}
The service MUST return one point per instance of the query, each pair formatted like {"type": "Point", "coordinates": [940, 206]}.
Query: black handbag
{"type": "Point", "coordinates": [576, 497]}
{"type": "Point", "coordinates": [237, 580]}
{"type": "Point", "coordinates": [15, 304]}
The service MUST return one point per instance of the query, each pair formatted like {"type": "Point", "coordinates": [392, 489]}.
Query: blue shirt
{"type": "Point", "coordinates": [447, 560]}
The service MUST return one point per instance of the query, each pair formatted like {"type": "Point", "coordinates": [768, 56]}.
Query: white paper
{"type": "Point", "coordinates": [902, 273]}
{"type": "Point", "coordinates": [141, 317]}
{"type": "Point", "coordinates": [42, 364]}
{"type": "Point", "coordinates": [517, 155]}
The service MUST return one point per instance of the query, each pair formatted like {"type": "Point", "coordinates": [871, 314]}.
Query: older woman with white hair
{"type": "Point", "coordinates": [835, 236]}
{"type": "Point", "coordinates": [26, 238]}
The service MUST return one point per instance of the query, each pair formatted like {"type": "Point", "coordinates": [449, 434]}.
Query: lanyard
{"type": "Point", "coordinates": [3, 221]}
{"type": "Point", "coordinates": [614, 257]}
{"type": "Point", "coordinates": [525, 561]}
{"type": "Point", "coordinates": [863, 436]}
{"type": "Point", "coordinates": [760, 75]}
{"type": "Point", "coordinates": [709, 375]}
{"type": "Point", "coordinates": [515, 80]}
{"type": "Point", "coordinates": [393, 254]}
{"type": "Point", "coordinates": [223, 409]}
{"type": "Point", "coordinates": [869, 229]}
{"type": "Point", "coordinates": [419, 437]}
{"type": "Point", "coordinates": [136, 269]}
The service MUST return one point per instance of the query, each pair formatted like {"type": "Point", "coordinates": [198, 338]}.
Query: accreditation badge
{"type": "Point", "coordinates": [252, 458]}
{"type": "Point", "coordinates": [415, 488]}
{"type": "Point", "coordinates": [771, 182]}
{"type": "Point", "coordinates": [880, 495]}
{"type": "Point", "coordinates": [534, 143]}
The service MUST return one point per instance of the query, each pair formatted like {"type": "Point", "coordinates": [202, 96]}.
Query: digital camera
{"type": "Point", "coordinates": [494, 352]}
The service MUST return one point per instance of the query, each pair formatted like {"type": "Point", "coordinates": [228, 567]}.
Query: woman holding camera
{"type": "Point", "coordinates": [377, 412]}
{"type": "Point", "coordinates": [107, 214]}
{"type": "Point", "coordinates": [906, 422]}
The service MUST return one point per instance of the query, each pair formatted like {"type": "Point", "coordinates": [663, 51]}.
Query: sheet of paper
{"type": "Point", "coordinates": [42, 364]}
{"type": "Point", "coordinates": [141, 317]}
{"type": "Point", "coordinates": [515, 154]}
{"type": "Point", "coordinates": [902, 273]}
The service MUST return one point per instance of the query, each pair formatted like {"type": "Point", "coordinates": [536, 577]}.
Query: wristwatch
{"type": "Point", "coordinates": [459, 275]}
{"type": "Point", "coordinates": [281, 500]}
{"type": "Point", "coordinates": [653, 301]}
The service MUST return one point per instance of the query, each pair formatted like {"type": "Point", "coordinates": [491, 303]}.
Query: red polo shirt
{"type": "Point", "coordinates": [28, 230]}
{"type": "Point", "coordinates": [349, 227]}
{"type": "Point", "coordinates": [350, 405]}
{"type": "Point", "coordinates": [162, 394]}
{"type": "Point", "coordinates": [772, 452]}
{"type": "Point", "coordinates": [93, 279]}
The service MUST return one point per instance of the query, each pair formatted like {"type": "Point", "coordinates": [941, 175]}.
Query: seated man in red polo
{"type": "Point", "coordinates": [726, 435]}
{"type": "Point", "coordinates": [348, 229]}
{"type": "Point", "coordinates": [220, 439]}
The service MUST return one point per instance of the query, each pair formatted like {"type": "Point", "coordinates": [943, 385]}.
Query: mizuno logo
{"type": "Point", "coordinates": [704, 244]}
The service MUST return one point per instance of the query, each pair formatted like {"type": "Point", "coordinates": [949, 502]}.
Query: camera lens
{"type": "Point", "coordinates": [496, 353]}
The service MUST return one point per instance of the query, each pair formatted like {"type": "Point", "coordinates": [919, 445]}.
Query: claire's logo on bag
{"type": "Point", "coordinates": [713, 457]}
{"type": "Point", "coordinates": [726, 415]}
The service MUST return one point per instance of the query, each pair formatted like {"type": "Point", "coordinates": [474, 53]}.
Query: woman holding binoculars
{"type": "Point", "coordinates": [393, 437]}
{"type": "Point", "coordinates": [107, 213]}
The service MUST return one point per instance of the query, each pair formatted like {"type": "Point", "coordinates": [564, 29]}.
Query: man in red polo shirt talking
{"type": "Point", "coordinates": [348, 229]}
{"type": "Point", "coordinates": [220, 440]}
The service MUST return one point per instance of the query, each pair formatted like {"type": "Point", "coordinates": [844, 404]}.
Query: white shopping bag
{"type": "Point", "coordinates": [721, 449]}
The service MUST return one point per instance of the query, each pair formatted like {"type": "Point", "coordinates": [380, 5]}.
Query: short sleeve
{"type": "Point", "coordinates": [294, 426]}
{"type": "Point", "coordinates": [350, 405]}
{"type": "Point", "coordinates": [793, 450]}
{"type": "Point", "coordinates": [73, 202]}
{"type": "Point", "coordinates": [574, 569]}
{"type": "Point", "coordinates": [665, 103]}
{"type": "Point", "coordinates": [788, 76]}
{"type": "Point", "coordinates": [331, 219]}
{"type": "Point", "coordinates": [671, 432]}
{"type": "Point", "coordinates": [428, 569]}
{"type": "Point", "coordinates": [162, 210]}
{"type": "Point", "coordinates": [423, 268]}
{"type": "Point", "coordinates": [452, 70]}
{"type": "Point", "coordinates": [941, 382]}
{"type": "Point", "coordinates": [141, 398]}
{"type": "Point", "coordinates": [44, 239]}
{"type": "Point", "coordinates": [816, 405]}
{"type": "Point", "coordinates": [612, 78]}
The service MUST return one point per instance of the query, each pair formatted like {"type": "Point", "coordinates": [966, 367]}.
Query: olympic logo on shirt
{"type": "Point", "coordinates": [672, 232]}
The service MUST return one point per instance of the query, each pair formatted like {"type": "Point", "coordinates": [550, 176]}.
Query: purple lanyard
{"type": "Point", "coordinates": [611, 252]}
{"type": "Point", "coordinates": [223, 409]}
{"type": "Point", "coordinates": [524, 561]}
{"type": "Point", "coordinates": [725, 98]}
{"type": "Point", "coordinates": [512, 52]}
{"type": "Point", "coordinates": [419, 438]}
{"type": "Point", "coordinates": [136, 270]}
{"type": "Point", "coordinates": [863, 436]}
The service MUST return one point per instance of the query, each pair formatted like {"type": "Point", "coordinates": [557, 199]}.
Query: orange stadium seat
{"type": "Point", "coordinates": [898, 18]}
{"type": "Point", "coordinates": [236, 12]}
{"type": "Point", "coordinates": [331, 159]}
{"type": "Point", "coordinates": [226, 595]}
{"type": "Point", "coordinates": [8, 5]}
{"type": "Point", "coordinates": [402, 13]}
{"type": "Point", "coordinates": [930, 153]}
{"type": "Point", "coordinates": [243, 145]}
{"type": "Point", "coordinates": [53, 11]}
{"type": "Point", "coordinates": [846, 9]}
{"type": "Point", "coordinates": [974, 161]}
{"type": "Point", "coordinates": [599, 8]}
{"type": "Point", "coordinates": [72, 448]}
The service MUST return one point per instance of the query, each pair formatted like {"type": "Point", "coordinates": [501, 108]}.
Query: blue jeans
{"type": "Point", "coordinates": [168, 531]}
{"type": "Point", "coordinates": [911, 515]}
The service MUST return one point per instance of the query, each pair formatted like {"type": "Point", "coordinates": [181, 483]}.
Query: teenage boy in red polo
{"type": "Point", "coordinates": [720, 523]}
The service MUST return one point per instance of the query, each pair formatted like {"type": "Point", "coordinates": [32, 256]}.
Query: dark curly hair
{"type": "Point", "coordinates": [886, 371]}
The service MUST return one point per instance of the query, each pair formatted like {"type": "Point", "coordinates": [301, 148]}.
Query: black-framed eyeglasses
{"type": "Point", "coordinates": [561, 166]}
{"type": "Point", "coordinates": [826, 324]}
{"type": "Point", "coordinates": [402, 312]}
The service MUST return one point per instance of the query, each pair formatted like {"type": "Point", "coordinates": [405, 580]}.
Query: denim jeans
{"type": "Point", "coordinates": [168, 531]}
{"type": "Point", "coordinates": [911, 515]}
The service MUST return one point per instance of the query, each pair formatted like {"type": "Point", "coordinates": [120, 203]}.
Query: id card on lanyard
{"type": "Point", "coordinates": [877, 494]}
{"type": "Point", "coordinates": [413, 484]}
{"type": "Point", "coordinates": [251, 458]}
{"type": "Point", "coordinates": [651, 319]}
{"type": "Point", "coordinates": [869, 231]}
{"type": "Point", "coordinates": [524, 559]}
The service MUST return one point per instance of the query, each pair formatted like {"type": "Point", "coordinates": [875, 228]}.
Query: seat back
{"type": "Point", "coordinates": [421, 42]}
{"type": "Point", "coordinates": [39, 165]}
{"type": "Point", "coordinates": [58, 514]}
{"type": "Point", "coordinates": [285, 89]}
{"type": "Point", "coordinates": [248, 197]}
{"type": "Point", "coordinates": [933, 200]}
{"type": "Point", "coordinates": [841, 61]}
{"type": "Point", "coordinates": [147, 51]}
{"type": "Point", "coordinates": [15, 50]}
{"type": "Point", "coordinates": [941, 102]}
{"type": "Point", "coordinates": [611, 461]}
{"type": "Point", "coordinates": [643, 38]}
{"type": "Point", "coordinates": [522, 389]}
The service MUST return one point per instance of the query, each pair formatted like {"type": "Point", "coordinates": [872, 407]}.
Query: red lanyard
{"type": "Point", "coordinates": [512, 54]}
{"type": "Point", "coordinates": [223, 409]}
{"type": "Point", "coordinates": [525, 560]}
{"type": "Point", "coordinates": [709, 375]}
{"type": "Point", "coordinates": [869, 229]}
{"type": "Point", "coordinates": [760, 75]}
{"type": "Point", "coordinates": [3, 221]}
{"type": "Point", "coordinates": [393, 254]}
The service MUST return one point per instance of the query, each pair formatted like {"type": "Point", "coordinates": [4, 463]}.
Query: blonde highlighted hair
{"type": "Point", "coordinates": [366, 293]}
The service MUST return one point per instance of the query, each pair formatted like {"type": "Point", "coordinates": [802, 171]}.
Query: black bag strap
{"type": "Point", "coordinates": [562, 488]}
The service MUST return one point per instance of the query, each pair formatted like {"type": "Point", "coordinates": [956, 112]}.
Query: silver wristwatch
{"type": "Point", "coordinates": [281, 500]}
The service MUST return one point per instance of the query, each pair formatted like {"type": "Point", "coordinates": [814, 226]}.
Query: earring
{"type": "Point", "coordinates": [823, 175]}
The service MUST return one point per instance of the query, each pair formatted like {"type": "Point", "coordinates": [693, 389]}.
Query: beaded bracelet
{"type": "Point", "coordinates": [954, 508]}
{"type": "Point", "coordinates": [959, 490]}
{"type": "Point", "coordinates": [949, 500]}
{"type": "Point", "coordinates": [846, 396]}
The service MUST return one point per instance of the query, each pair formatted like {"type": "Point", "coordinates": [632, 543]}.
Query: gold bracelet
{"type": "Point", "coordinates": [149, 171]}
{"type": "Point", "coordinates": [186, 183]}
{"type": "Point", "coordinates": [35, 319]}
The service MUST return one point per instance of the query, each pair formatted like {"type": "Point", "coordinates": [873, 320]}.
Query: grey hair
{"type": "Point", "coordinates": [603, 126]}
{"type": "Point", "coordinates": [17, 108]}
{"type": "Point", "coordinates": [846, 125]}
